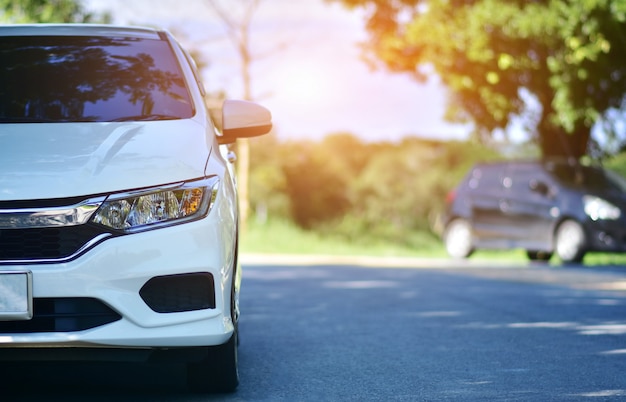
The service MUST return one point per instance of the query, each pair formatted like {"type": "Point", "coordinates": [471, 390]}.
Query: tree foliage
{"type": "Point", "coordinates": [499, 57]}
{"type": "Point", "coordinates": [46, 11]}
{"type": "Point", "coordinates": [359, 190]}
{"type": "Point", "coordinates": [316, 183]}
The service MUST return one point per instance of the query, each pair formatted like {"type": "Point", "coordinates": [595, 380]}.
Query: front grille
{"type": "Point", "coordinates": [62, 315]}
{"type": "Point", "coordinates": [177, 293]}
{"type": "Point", "coordinates": [45, 243]}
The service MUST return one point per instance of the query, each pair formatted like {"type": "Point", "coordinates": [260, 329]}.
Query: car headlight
{"type": "Point", "coordinates": [597, 208]}
{"type": "Point", "coordinates": [147, 209]}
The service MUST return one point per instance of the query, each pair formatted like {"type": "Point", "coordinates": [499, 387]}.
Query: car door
{"type": "Point", "coordinates": [486, 192]}
{"type": "Point", "coordinates": [528, 206]}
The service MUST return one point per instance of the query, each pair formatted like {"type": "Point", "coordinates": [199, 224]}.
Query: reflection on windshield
{"type": "Point", "coordinates": [588, 177]}
{"type": "Point", "coordinates": [60, 79]}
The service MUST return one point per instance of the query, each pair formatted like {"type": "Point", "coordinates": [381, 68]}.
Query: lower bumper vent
{"type": "Point", "coordinates": [178, 293]}
{"type": "Point", "coordinates": [62, 315]}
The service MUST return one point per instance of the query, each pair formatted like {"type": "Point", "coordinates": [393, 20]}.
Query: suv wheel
{"type": "Point", "coordinates": [570, 241]}
{"type": "Point", "coordinates": [458, 239]}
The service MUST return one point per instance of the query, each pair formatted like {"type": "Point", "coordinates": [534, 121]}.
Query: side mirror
{"type": "Point", "coordinates": [243, 119]}
{"type": "Point", "coordinates": [539, 187]}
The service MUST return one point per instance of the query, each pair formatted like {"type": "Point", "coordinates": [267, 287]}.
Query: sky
{"type": "Point", "coordinates": [307, 69]}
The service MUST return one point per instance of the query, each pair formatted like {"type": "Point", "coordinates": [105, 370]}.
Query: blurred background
{"type": "Point", "coordinates": [381, 107]}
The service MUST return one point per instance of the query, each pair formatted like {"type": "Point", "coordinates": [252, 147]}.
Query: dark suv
{"type": "Point", "coordinates": [544, 207]}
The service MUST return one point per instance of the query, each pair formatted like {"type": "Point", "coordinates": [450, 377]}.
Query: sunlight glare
{"type": "Point", "coordinates": [304, 83]}
{"type": "Point", "coordinates": [603, 329]}
{"type": "Point", "coordinates": [603, 393]}
{"type": "Point", "coordinates": [614, 352]}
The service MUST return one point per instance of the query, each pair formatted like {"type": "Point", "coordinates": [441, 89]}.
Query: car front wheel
{"type": "Point", "coordinates": [218, 371]}
{"type": "Point", "coordinates": [570, 241]}
{"type": "Point", "coordinates": [458, 239]}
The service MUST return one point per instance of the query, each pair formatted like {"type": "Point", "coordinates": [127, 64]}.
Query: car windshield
{"type": "Point", "coordinates": [589, 177]}
{"type": "Point", "coordinates": [89, 79]}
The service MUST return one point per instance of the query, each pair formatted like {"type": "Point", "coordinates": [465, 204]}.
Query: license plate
{"type": "Point", "coordinates": [16, 295]}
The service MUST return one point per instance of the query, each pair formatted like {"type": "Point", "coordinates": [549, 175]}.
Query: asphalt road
{"type": "Point", "coordinates": [409, 331]}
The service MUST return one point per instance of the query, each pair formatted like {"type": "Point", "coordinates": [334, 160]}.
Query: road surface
{"type": "Point", "coordinates": [388, 330]}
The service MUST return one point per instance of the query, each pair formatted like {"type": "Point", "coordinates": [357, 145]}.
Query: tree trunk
{"type": "Point", "coordinates": [555, 142]}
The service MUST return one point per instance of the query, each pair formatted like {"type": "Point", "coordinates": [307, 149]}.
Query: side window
{"type": "Point", "coordinates": [486, 179]}
{"type": "Point", "coordinates": [528, 181]}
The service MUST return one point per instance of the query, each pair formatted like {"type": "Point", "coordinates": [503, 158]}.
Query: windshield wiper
{"type": "Point", "coordinates": [146, 117]}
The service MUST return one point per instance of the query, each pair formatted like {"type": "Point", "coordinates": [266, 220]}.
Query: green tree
{"type": "Point", "coordinates": [47, 11]}
{"type": "Point", "coordinates": [500, 57]}
{"type": "Point", "coordinates": [617, 163]}
{"type": "Point", "coordinates": [316, 184]}
{"type": "Point", "coordinates": [361, 191]}
{"type": "Point", "coordinates": [403, 187]}
{"type": "Point", "coordinates": [268, 194]}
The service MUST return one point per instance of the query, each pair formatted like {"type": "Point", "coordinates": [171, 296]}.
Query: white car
{"type": "Point", "coordinates": [118, 209]}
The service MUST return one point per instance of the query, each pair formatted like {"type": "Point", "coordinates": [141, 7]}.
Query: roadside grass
{"type": "Point", "coordinates": [281, 237]}
{"type": "Point", "coordinates": [605, 259]}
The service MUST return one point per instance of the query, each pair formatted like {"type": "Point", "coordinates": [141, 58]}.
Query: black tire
{"type": "Point", "coordinates": [538, 255]}
{"type": "Point", "coordinates": [570, 241]}
{"type": "Point", "coordinates": [458, 239]}
{"type": "Point", "coordinates": [218, 372]}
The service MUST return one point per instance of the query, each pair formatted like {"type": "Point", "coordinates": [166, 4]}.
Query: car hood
{"type": "Point", "coordinates": [57, 160]}
{"type": "Point", "coordinates": [614, 197]}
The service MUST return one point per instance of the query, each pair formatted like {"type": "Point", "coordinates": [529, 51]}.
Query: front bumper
{"type": "Point", "coordinates": [115, 271]}
{"type": "Point", "coordinates": [607, 236]}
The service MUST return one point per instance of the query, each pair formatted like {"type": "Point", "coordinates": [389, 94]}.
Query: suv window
{"type": "Point", "coordinates": [518, 177]}
{"type": "Point", "coordinates": [86, 79]}
{"type": "Point", "coordinates": [486, 178]}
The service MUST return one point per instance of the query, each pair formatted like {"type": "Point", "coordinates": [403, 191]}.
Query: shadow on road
{"type": "Point", "coordinates": [92, 381]}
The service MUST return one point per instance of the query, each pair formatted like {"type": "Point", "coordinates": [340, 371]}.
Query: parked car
{"type": "Point", "coordinates": [544, 207]}
{"type": "Point", "coordinates": [118, 207]}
